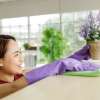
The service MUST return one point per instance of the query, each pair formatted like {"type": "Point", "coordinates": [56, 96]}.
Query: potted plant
{"type": "Point", "coordinates": [52, 44]}
{"type": "Point", "coordinates": [90, 30]}
{"type": "Point", "coordinates": [28, 46]}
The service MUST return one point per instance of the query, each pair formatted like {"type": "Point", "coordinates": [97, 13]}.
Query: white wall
{"type": "Point", "coordinates": [36, 7]}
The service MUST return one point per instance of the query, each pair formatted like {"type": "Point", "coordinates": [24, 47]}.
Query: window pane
{"type": "Point", "coordinates": [37, 22]}
{"type": "Point", "coordinates": [71, 23]}
{"type": "Point", "coordinates": [14, 25]}
{"type": "Point", "coordinates": [14, 21]}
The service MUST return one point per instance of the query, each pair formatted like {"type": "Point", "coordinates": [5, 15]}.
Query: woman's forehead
{"type": "Point", "coordinates": [14, 50]}
{"type": "Point", "coordinates": [13, 46]}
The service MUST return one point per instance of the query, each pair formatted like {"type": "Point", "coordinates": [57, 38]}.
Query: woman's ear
{"type": "Point", "coordinates": [1, 62]}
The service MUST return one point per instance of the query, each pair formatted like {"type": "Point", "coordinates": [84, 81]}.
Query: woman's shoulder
{"type": "Point", "coordinates": [17, 76]}
{"type": "Point", "coordinates": [2, 82]}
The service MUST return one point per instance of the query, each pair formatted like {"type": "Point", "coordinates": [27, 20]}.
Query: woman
{"type": "Point", "coordinates": [12, 77]}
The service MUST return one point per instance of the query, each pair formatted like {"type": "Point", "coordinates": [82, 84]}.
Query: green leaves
{"type": "Point", "coordinates": [52, 44]}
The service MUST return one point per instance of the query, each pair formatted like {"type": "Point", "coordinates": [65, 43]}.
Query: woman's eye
{"type": "Point", "coordinates": [19, 53]}
{"type": "Point", "coordinates": [16, 54]}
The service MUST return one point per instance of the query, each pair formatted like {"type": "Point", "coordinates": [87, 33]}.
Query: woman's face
{"type": "Point", "coordinates": [12, 60]}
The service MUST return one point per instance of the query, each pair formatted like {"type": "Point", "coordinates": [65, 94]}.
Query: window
{"type": "Point", "coordinates": [29, 29]}
{"type": "Point", "coordinates": [16, 27]}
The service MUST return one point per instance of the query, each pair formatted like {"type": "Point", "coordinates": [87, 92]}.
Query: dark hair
{"type": "Point", "coordinates": [4, 39]}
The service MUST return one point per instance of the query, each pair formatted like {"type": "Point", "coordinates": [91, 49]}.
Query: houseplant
{"type": "Point", "coordinates": [28, 46]}
{"type": "Point", "coordinates": [90, 30]}
{"type": "Point", "coordinates": [52, 44]}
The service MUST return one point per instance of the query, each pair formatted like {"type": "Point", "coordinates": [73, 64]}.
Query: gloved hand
{"type": "Point", "coordinates": [82, 54]}
{"type": "Point", "coordinates": [76, 65]}
{"type": "Point", "coordinates": [58, 68]}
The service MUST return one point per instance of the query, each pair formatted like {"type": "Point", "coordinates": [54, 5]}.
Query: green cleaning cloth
{"type": "Point", "coordinates": [83, 73]}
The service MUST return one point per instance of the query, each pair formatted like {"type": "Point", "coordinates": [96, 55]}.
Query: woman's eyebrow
{"type": "Point", "coordinates": [17, 51]}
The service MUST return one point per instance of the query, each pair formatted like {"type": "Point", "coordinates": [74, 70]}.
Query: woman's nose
{"type": "Point", "coordinates": [21, 59]}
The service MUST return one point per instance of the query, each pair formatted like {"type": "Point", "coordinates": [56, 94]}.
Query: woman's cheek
{"type": "Point", "coordinates": [16, 69]}
{"type": "Point", "coordinates": [13, 69]}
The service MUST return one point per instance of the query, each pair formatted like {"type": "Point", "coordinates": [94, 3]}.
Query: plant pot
{"type": "Point", "coordinates": [95, 50]}
{"type": "Point", "coordinates": [32, 48]}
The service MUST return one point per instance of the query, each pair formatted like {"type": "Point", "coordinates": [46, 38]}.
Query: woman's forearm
{"type": "Point", "coordinates": [8, 88]}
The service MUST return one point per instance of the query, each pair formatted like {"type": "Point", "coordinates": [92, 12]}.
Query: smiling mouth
{"type": "Point", "coordinates": [21, 66]}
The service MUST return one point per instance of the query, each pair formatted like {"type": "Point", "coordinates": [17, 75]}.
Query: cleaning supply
{"type": "Point", "coordinates": [95, 73]}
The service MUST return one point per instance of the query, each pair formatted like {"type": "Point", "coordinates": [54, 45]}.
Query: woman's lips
{"type": "Point", "coordinates": [21, 66]}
